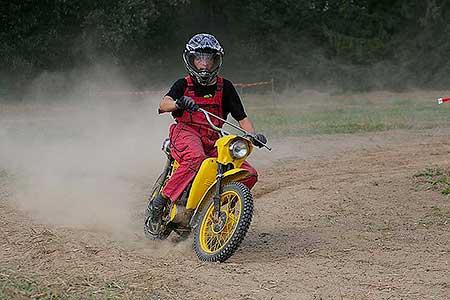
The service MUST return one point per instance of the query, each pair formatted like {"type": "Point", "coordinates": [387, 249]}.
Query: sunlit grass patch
{"type": "Point", "coordinates": [436, 179]}
{"type": "Point", "coordinates": [291, 114]}
{"type": "Point", "coordinates": [14, 287]}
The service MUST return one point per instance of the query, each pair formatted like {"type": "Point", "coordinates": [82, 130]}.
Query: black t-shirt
{"type": "Point", "coordinates": [231, 103]}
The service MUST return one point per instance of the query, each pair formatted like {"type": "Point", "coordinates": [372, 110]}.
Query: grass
{"type": "Point", "coordinates": [305, 112]}
{"type": "Point", "coordinates": [294, 115]}
{"type": "Point", "coordinates": [16, 287]}
{"type": "Point", "coordinates": [436, 179]}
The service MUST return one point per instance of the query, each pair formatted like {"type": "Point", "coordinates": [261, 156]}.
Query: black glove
{"type": "Point", "coordinates": [186, 103]}
{"type": "Point", "coordinates": [259, 140]}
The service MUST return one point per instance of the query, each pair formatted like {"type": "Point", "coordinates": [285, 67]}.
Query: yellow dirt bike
{"type": "Point", "coordinates": [215, 206]}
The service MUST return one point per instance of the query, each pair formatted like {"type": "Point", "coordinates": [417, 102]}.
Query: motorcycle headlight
{"type": "Point", "coordinates": [239, 149]}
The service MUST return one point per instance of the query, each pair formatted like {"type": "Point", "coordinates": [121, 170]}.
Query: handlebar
{"type": "Point", "coordinates": [222, 132]}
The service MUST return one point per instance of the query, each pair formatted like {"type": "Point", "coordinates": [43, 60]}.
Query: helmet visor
{"type": "Point", "coordinates": [204, 61]}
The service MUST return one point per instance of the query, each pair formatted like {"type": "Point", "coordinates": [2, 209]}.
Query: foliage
{"type": "Point", "coordinates": [345, 43]}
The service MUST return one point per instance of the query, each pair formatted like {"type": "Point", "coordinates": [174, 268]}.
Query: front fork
{"type": "Point", "coordinates": [216, 197]}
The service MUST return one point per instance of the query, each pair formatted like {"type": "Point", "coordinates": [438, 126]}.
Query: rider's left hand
{"type": "Point", "coordinates": [259, 140]}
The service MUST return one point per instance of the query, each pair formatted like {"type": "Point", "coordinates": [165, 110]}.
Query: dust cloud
{"type": "Point", "coordinates": [81, 158]}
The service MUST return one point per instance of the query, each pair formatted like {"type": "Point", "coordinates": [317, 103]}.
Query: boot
{"type": "Point", "coordinates": [156, 207]}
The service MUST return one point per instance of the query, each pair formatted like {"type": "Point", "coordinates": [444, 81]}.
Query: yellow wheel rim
{"type": "Point", "coordinates": [213, 237]}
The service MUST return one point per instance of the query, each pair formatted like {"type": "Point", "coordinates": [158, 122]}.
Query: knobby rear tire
{"type": "Point", "coordinates": [156, 189]}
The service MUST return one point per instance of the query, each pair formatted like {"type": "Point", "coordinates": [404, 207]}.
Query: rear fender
{"type": "Point", "coordinates": [229, 176]}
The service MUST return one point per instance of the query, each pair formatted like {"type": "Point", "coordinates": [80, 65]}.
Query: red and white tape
{"type": "Point", "coordinates": [160, 92]}
{"type": "Point", "coordinates": [253, 83]}
{"type": "Point", "coordinates": [442, 100]}
{"type": "Point", "coordinates": [119, 93]}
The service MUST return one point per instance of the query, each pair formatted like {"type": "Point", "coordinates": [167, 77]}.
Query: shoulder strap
{"type": "Point", "coordinates": [219, 83]}
{"type": "Point", "coordinates": [190, 87]}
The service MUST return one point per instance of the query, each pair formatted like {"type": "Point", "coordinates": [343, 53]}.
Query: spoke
{"type": "Point", "coordinates": [206, 231]}
{"type": "Point", "coordinates": [209, 234]}
{"type": "Point", "coordinates": [230, 202]}
{"type": "Point", "coordinates": [221, 240]}
{"type": "Point", "coordinates": [209, 220]}
{"type": "Point", "coordinates": [232, 221]}
{"type": "Point", "coordinates": [230, 225]}
{"type": "Point", "coordinates": [227, 229]}
{"type": "Point", "coordinates": [210, 244]}
{"type": "Point", "coordinates": [231, 211]}
{"type": "Point", "coordinates": [227, 200]}
{"type": "Point", "coordinates": [224, 238]}
{"type": "Point", "coordinates": [217, 243]}
{"type": "Point", "coordinates": [232, 218]}
{"type": "Point", "coordinates": [235, 207]}
{"type": "Point", "coordinates": [207, 226]}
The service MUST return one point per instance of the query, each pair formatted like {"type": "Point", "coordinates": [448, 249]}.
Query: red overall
{"type": "Point", "coordinates": [192, 141]}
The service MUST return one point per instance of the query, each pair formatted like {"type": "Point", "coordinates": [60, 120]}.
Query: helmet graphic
{"type": "Point", "coordinates": [203, 58]}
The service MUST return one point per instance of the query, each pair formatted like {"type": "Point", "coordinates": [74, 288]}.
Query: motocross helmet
{"type": "Point", "coordinates": [203, 58]}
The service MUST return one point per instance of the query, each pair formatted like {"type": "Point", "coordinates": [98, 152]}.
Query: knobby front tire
{"type": "Point", "coordinates": [218, 241]}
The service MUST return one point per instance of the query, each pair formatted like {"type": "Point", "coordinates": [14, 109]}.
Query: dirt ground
{"type": "Point", "coordinates": [336, 217]}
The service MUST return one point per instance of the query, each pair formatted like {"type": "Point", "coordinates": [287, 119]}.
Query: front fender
{"type": "Point", "coordinates": [229, 176]}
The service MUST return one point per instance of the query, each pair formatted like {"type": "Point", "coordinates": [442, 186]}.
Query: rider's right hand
{"type": "Point", "coordinates": [186, 103]}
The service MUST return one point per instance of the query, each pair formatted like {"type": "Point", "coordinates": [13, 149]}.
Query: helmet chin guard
{"type": "Point", "coordinates": [203, 57]}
